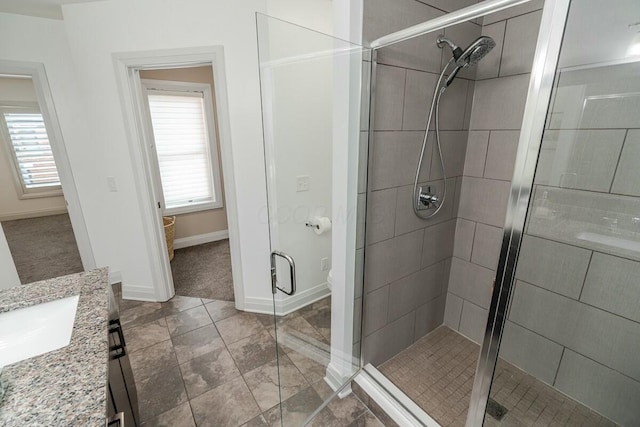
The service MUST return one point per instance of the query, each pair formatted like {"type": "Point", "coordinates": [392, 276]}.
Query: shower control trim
{"type": "Point", "coordinates": [425, 199]}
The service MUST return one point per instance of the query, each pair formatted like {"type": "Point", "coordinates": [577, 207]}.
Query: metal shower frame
{"type": "Point", "coordinates": [543, 73]}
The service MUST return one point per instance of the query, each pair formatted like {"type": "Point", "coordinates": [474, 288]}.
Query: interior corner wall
{"type": "Point", "coordinates": [11, 205]}
{"type": "Point", "coordinates": [502, 81]}
{"type": "Point", "coordinates": [210, 220]}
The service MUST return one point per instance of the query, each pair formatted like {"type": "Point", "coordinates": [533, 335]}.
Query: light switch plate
{"type": "Point", "coordinates": [112, 184]}
{"type": "Point", "coordinates": [302, 183]}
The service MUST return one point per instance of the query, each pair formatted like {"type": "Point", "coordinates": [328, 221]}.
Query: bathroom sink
{"type": "Point", "coordinates": [35, 330]}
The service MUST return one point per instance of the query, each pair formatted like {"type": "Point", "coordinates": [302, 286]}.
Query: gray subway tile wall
{"type": "Point", "coordinates": [393, 158]}
{"type": "Point", "coordinates": [486, 245]}
{"type": "Point", "coordinates": [606, 390]}
{"type": "Point", "coordinates": [555, 266]}
{"type": "Point", "coordinates": [382, 17]}
{"type": "Point", "coordinates": [520, 38]}
{"type": "Point", "coordinates": [501, 154]}
{"type": "Point", "coordinates": [407, 259]}
{"type": "Point", "coordinates": [580, 159]}
{"type": "Point", "coordinates": [621, 294]}
{"type": "Point", "coordinates": [540, 355]}
{"type": "Point", "coordinates": [501, 85]}
{"type": "Point", "coordinates": [499, 103]}
{"type": "Point", "coordinates": [473, 321]}
{"type": "Point", "coordinates": [477, 145]}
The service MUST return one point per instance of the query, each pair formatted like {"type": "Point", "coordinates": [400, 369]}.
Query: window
{"type": "Point", "coordinates": [35, 168]}
{"type": "Point", "coordinates": [184, 144]}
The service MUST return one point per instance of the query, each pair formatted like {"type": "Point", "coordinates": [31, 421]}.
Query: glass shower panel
{"type": "Point", "coordinates": [429, 281]}
{"type": "Point", "coordinates": [569, 352]}
{"type": "Point", "coordinates": [310, 86]}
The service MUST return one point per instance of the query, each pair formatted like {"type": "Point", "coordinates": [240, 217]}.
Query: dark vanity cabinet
{"type": "Point", "coordinates": [122, 399]}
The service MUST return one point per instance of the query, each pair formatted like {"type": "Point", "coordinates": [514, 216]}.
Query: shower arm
{"type": "Point", "coordinates": [477, 10]}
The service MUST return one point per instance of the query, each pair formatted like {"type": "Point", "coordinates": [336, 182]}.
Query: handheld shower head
{"type": "Point", "coordinates": [468, 57]}
{"type": "Point", "coordinates": [476, 51]}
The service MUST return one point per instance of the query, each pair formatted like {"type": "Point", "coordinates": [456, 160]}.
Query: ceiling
{"type": "Point", "coordinates": [42, 8]}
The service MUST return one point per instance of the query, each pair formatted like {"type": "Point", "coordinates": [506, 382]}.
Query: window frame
{"type": "Point", "coordinates": [22, 191]}
{"type": "Point", "coordinates": [186, 88]}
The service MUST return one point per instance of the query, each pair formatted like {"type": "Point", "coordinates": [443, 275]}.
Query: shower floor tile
{"type": "Point", "coordinates": [437, 374]}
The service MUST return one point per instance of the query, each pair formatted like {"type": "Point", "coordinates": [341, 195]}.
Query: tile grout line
{"type": "Point", "coordinates": [584, 279]}
{"type": "Point", "coordinates": [615, 171]}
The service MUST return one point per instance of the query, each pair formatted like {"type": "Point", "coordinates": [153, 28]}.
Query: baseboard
{"type": "Point", "coordinates": [114, 277]}
{"type": "Point", "coordinates": [32, 214]}
{"type": "Point", "coordinates": [138, 293]}
{"type": "Point", "coordinates": [335, 381]}
{"type": "Point", "coordinates": [200, 239]}
{"type": "Point", "coordinates": [288, 305]}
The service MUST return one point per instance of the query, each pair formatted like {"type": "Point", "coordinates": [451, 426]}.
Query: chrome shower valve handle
{"type": "Point", "coordinates": [427, 199]}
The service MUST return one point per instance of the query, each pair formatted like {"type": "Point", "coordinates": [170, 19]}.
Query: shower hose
{"type": "Point", "coordinates": [435, 103]}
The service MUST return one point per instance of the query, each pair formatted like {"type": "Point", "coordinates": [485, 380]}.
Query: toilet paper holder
{"type": "Point", "coordinates": [319, 225]}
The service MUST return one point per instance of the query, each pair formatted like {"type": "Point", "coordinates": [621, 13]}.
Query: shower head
{"type": "Point", "coordinates": [468, 57]}
{"type": "Point", "coordinates": [476, 51]}
{"type": "Point", "coordinates": [472, 54]}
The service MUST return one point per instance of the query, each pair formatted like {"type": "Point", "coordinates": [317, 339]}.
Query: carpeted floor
{"type": "Point", "coordinates": [43, 248]}
{"type": "Point", "coordinates": [204, 271]}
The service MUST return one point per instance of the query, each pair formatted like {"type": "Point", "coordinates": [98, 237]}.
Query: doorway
{"type": "Point", "coordinates": [180, 113]}
{"type": "Point", "coordinates": [33, 210]}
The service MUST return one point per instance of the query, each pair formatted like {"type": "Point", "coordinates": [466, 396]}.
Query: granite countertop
{"type": "Point", "coordinates": [65, 387]}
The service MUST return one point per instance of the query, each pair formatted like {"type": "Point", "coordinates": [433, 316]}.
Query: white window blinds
{"type": "Point", "coordinates": [32, 151]}
{"type": "Point", "coordinates": [183, 148]}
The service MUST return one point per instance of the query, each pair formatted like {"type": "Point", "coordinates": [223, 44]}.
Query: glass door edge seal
{"type": "Point", "coordinates": [372, 381]}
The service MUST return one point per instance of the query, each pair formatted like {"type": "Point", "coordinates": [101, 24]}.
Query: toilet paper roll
{"type": "Point", "coordinates": [322, 225]}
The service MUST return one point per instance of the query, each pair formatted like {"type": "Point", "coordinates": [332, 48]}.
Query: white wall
{"type": "Point", "coordinates": [96, 31]}
{"type": "Point", "coordinates": [86, 97]}
{"type": "Point", "coordinates": [297, 79]}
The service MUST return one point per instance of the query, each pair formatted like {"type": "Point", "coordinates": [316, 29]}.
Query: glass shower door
{"type": "Point", "coordinates": [310, 87]}
{"type": "Point", "coordinates": [569, 350]}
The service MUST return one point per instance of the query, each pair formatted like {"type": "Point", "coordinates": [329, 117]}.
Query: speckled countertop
{"type": "Point", "coordinates": [65, 387]}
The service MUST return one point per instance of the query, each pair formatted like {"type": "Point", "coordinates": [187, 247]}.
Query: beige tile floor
{"type": "Point", "coordinates": [202, 362]}
{"type": "Point", "coordinates": [437, 373]}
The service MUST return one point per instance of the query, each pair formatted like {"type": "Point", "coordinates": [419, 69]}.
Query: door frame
{"type": "Point", "coordinates": [127, 66]}
{"type": "Point", "coordinates": [36, 71]}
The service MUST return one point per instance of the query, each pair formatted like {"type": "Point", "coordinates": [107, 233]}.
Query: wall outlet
{"type": "Point", "coordinates": [302, 183]}
{"type": "Point", "coordinates": [324, 264]}
{"type": "Point", "coordinates": [112, 184]}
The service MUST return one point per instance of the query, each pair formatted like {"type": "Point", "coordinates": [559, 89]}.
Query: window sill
{"type": "Point", "coordinates": [37, 194]}
{"type": "Point", "coordinates": [196, 207]}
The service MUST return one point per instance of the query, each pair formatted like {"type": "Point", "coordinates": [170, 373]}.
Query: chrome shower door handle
{"type": "Point", "coordinates": [274, 275]}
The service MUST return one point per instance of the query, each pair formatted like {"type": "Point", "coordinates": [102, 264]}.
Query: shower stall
{"type": "Point", "coordinates": [483, 187]}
